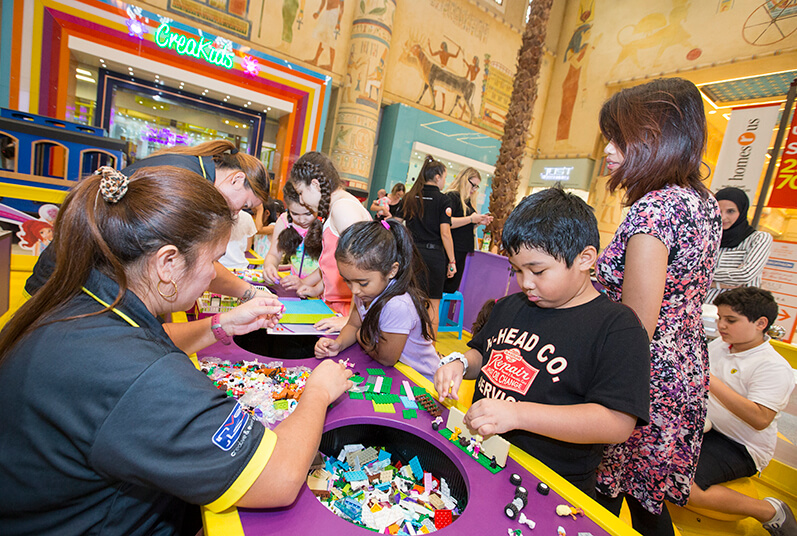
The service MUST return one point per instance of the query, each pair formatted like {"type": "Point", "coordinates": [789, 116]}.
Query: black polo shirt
{"type": "Point", "coordinates": [107, 427]}
{"type": "Point", "coordinates": [462, 236]}
{"type": "Point", "coordinates": [203, 166]}
{"type": "Point", "coordinates": [426, 230]}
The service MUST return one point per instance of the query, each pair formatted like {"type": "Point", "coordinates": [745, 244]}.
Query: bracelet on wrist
{"type": "Point", "coordinates": [455, 356]}
{"type": "Point", "coordinates": [218, 331]}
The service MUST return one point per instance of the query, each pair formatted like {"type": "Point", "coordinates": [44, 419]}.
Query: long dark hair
{"type": "Point", "coordinates": [370, 246]}
{"type": "Point", "coordinates": [318, 166]}
{"type": "Point", "coordinates": [227, 156]}
{"type": "Point", "coordinates": [660, 128]}
{"type": "Point", "coordinates": [289, 239]}
{"type": "Point", "coordinates": [164, 205]}
{"type": "Point", "coordinates": [274, 207]}
{"type": "Point", "coordinates": [413, 200]}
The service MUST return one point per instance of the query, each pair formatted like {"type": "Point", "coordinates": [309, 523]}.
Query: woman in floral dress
{"type": "Point", "coordinates": [659, 263]}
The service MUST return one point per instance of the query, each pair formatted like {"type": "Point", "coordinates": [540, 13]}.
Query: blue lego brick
{"type": "Point", "coordinates": [417, 470]}
{"type": "Point", "coordinates": [352, 476]}
{"type": "Point", "coordinates": [408, 404]}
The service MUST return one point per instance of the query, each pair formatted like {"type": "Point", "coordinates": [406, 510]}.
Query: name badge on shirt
{"type": "Point", "coordinates": [229, 432]}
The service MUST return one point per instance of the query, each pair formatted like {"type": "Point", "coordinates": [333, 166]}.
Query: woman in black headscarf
{"type": "Point", "coordinates": [743, 250]}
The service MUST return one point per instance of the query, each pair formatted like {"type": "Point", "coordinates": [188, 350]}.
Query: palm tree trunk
{"type": "Point", "coordinates": [518, 117]}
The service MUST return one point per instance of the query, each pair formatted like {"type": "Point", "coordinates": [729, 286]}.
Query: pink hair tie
{"type": "Point", "coordinates": [386, 224]}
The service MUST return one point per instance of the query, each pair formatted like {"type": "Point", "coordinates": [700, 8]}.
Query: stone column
{"type": "Point", "coordinates": [360, 97]}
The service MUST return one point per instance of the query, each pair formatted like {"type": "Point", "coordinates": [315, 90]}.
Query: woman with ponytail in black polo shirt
{"type": "Point", "coordinates": [427, 214]}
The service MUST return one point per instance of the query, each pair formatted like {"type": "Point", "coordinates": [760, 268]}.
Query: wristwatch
{"type": "Point", "coordinates": [218, 331]}
{"type": "Point", "coordinates": [454, 356]}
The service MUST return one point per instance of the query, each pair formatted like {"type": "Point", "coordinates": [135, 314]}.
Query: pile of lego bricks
{"type": "Point", "coordinates": [375, 490]}
{"type": "Point", "coordinates": [269, 392]}
{"type": "Point", "coordinates": [250, 276]}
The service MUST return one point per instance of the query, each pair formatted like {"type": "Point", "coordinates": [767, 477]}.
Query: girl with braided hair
{"type": "Point", "coordinates": [288, 245]}
{"type": "Point", "coordinates": [319, 187]}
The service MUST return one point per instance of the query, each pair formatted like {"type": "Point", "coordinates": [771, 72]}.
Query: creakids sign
{"type": "Point", "coordinates": [197, 48]}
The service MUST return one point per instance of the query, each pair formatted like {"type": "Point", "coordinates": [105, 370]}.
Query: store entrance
{"type": "Point", "coordinates": [151, 117]}
{"type": "Point", "coordinates": [151, 112]}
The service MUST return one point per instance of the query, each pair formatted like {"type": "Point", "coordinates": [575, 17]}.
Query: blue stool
{"type": "Point", "coordinates": [451, 312]}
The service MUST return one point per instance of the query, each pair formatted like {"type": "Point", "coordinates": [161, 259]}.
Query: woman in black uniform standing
{"type": "Point", "coordinates": [427, 214]}
{"type": "Point", "coordinates": [464, 220]}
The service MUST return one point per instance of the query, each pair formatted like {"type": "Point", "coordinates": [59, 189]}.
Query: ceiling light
{"type": "Point", "coordinates": [248, 102]}
{"type": "Point", "coordinates": [85, 78]}
{"type": "Point", "coordinates": [83, 72]}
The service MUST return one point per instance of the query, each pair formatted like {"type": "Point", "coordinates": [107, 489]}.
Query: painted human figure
{"type": "Point", "coordinates": [289, 12]}
{"type": "Point", "coordinates": [327, 29]}
{"type": "Point", "coordinates": [471, 74]}
{"type": "Point", "coordinates": [473, 68]}
{"type": "Point", "coordinates": [375, 78]}
{"type": "Point", "coordinates": [443, 55]}
{"type": "Point", "coordinates": [576, 53]}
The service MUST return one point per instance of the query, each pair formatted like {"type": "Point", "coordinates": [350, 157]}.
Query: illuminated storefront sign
{"type": "Point", "coordinates": [188, 46]}
{"type": "Point", "coordinates": [556, 173]}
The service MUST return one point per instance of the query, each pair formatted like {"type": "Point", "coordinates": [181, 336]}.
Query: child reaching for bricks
{"type": "Point", "coordinates": [561, 370]}
{"type": "Point", "coordinates": [390, 319]}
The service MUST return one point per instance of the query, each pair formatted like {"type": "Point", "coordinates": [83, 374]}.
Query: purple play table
{"type": "Point", "coordinates": [488, 494]}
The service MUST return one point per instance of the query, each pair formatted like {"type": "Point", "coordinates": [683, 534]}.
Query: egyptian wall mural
{"type": "Point", "coordinates": [450, 57]}
{"type": "Point", "coordinates": [604, 44]}
{"type": "Point", "coordinates": [454, 59]}
{"type": "Point", "coordinates": [447, 56]}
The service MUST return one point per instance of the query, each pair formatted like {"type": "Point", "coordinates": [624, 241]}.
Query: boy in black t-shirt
{"type": "Point", "coordinates": [561, 370]}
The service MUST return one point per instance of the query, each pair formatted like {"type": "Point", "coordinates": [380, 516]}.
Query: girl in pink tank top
{"type": "Point", "coordinates": [319, 187]}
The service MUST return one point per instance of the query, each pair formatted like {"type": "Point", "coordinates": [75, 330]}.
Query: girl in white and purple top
{"type": "Point", "coordinates": [389, 319]}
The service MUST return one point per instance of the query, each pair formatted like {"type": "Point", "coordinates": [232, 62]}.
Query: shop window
{"type": "Point", "coordinates": [151, 117]}
{"type": "Point", "coordinates": [9, 145]}
{"type": "Point", "coordinates": [92, 159]}
{"type": "Point", "coordinates": [49, 159]}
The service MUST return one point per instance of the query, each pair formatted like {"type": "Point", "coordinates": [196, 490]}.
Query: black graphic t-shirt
{"type": "Point", "coordinates": [597, 352]}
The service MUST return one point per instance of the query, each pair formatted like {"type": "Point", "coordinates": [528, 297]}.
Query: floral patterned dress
{"type": "Point", "coordinates": [658, 461]}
